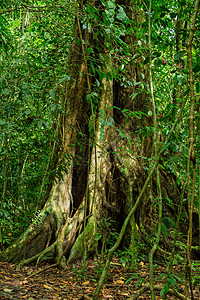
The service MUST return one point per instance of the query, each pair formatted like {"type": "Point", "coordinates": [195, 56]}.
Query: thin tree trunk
{"type": "Point", "coordinates": [191, 152]}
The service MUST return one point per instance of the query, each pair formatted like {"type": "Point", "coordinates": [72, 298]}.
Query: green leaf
{"type": "Point", "coordinates": [64, 78]}
{"type": "Point", "coordinates": [121, 15]}
{"type": "Point", "coordinates": [111, 4]}
{"type": "Point", "coordinates": [165, 147]}
{"type": "Point", "coordinates": [27, 112]}
{"type": "Point", "coordinates": [96, 34]}
{"type": "Point", "coordinates": [162, 15]}
{"type": "Point", "coordinates": [94, 96]}
{"type": "Point", "coordinates": [162, 292]}
{"type": "Point", "coordinates": [15, 23]}
{"type": "Point", "coordinates": [179, 55]}
{"type": "Point", "coordinates": [92, 67]}
{"type": "Point", "coordinates": [134, 95]}
{"type": "Point", "coordinates": [180, 79]}
{"type": "Point", "coordinates": [39, 124]}
{"type": "Point", "coordinates": [164, 230]}
{"type": "Point", "coordinates": [6, 92]}
{"type": "Point", "coordinates": [158, 62]}
{"type": "Point", "coordinates": [161, 276]}
{"type": "Point", "coordinates": [166, 222]}
{"type": "Point", "coordinates": [89, 50]}
{"type": "Point", "coordinates": [167, 286]}
{"type": "Point", "coordinates": [52, 94]}
{"type": "Point", "coordinates": [122, 134]}
{"type": "Point", "coordinates": [53, 107]}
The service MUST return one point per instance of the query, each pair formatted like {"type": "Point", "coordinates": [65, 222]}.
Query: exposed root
{"type": "Point", "coordinates": [33, 258]}
{"type": "Point", "coordinates": [159, 288]}
{"type": "Point", "coordinates": [57, 264]}
{"type": "Point", "coordinates": [43, 270]}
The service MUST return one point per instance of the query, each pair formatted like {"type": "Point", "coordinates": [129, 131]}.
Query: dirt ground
{"type": "Point", "coordinates": [74, 284]}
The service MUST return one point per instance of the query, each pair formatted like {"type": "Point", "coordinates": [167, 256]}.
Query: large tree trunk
{"type": "Point", "coordinates": [115, 150]}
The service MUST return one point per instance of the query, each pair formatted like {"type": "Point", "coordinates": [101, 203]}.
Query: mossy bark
{"type": "Point", "coordinates": [89, 238]}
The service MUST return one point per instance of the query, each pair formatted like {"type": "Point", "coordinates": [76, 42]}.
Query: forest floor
{"type": "Point", "coordinates": [71, 284]}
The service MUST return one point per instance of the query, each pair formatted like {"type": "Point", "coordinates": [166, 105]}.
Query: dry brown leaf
{"type": "Point", "coordinates": [47, 286]}
{"type": "Point", "coordinates": [85, 283]}
{"type": "Point", "coordinates": [119, 281]}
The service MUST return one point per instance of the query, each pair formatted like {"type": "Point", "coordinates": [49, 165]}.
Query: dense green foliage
{"type": "Point", "coordinates": [54, 56]}
{"type": "Point", "coordinates": [35, 41]}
